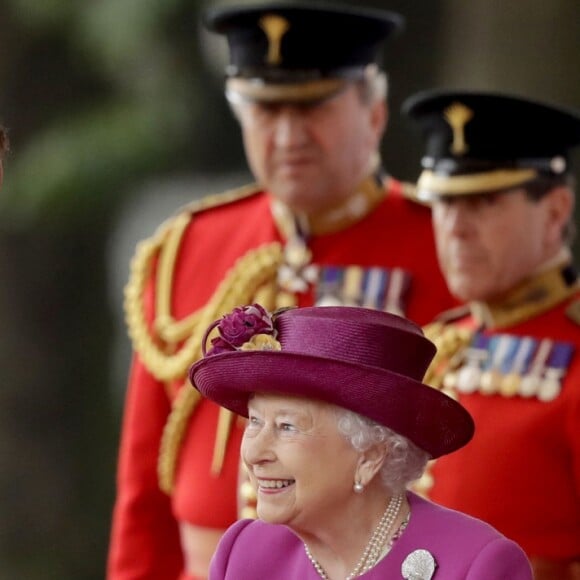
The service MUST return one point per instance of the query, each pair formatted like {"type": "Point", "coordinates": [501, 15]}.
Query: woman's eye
{"type": "Point", "coordinates": [286, 427]}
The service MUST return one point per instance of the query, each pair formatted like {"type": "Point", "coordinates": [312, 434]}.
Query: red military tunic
{"type": "Point", "coordinates": [521, 471]}
{"type": "Point", "coordinates": [181, 278]}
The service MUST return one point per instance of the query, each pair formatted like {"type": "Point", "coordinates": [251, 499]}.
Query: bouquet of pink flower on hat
{"type": "Point", "coordinates": [245, 328]}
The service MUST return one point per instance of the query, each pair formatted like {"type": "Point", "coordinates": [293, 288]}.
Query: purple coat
{"type": "Point", "coordinates": [463, 548]}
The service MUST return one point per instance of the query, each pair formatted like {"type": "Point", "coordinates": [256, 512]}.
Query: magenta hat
{"type": "Point", "coordinates": [367, 361]}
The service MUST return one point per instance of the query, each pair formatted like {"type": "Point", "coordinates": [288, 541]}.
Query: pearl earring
{"type": "Point", "coordinates": [358, 487]}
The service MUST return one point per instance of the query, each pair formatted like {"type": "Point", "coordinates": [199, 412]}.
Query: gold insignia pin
{"type": "Point", "coordinates": [275, 27]}
{"type": "Point", "coordinates": [458, 115]}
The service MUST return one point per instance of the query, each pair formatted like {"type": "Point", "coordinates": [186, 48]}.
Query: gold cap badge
{"type": "Point", "coordinates": [275, 27]}
{"type": "Point", "coordinates": [458, 115]}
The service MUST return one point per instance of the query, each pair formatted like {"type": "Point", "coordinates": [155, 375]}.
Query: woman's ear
{"type": "Point", "coordinates": [370, 463]}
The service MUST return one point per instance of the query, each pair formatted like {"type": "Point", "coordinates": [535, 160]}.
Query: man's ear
{"type": "Point", "coordinates": [560, 205]}
{"type": "Point", "coordinates": [380, 117]}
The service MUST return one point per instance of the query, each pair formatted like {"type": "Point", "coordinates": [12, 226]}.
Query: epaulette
{"type": "Point", "coordinates": [573, 311]}
{"type": "Point", "coordinates": [180, 218]}
{"type": "Point", "coordinates": [215, 200]}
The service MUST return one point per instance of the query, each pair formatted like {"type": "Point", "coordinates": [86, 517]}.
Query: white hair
{"type": "Point", "coordinates": [404, 462]}
{"type": "Point", "coordinates": [374, 85]}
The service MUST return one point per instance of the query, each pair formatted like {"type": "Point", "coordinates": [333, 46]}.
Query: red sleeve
{"type": "Point", "coordinates": [145, 536]}
{"type": "Point", "coordinates": [573, 418]}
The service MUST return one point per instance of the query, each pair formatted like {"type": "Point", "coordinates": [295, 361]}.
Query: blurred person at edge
{"type": "Point", "coordinates": [4, 146]}
{"type": "Point", "coordinates": [497, 171]}
{"type": "Point", "coordinates": [323, 225]}
{"type": "Point", "coordinates": [339, 423]}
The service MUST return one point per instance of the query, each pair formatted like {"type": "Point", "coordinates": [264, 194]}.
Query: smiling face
{"type": "Point", "coordinates": [487, 244]}
{"type": "Point", "coordinates": [312, 156]}
{"type": "Point", "coordinates": [302, 467]}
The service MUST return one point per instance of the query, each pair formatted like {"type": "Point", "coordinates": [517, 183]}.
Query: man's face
{"type": "Point", "coordinates": [487, 244]}
{"type": "Point", "coordinates": [311, 157]}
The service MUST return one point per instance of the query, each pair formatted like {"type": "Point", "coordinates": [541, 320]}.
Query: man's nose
{"type": "Point", "coordinates": [458, 217]}
{"type": "Point", "coordinates": [290, 128]}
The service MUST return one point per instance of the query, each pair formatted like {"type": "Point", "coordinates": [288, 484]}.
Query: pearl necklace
{"type": "Point", "coordinates": [375, 546]}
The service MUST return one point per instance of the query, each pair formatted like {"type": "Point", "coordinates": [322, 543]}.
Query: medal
{"type": "Point", "coordinates": [489, 382]}
{"type": "Point", "coordinates": [469, 375]}
{"type": "Point", "coordinates": [530, 383]}
{"type": "Point", "coordinates": [352, 284]}
{"type": "Point", "coordinates": [329, 287]}
{"type": "Point", "coordinates": [374, 288]}
{"type": "Point", "coordinates": [529, 386]}
{"type": "Point", "coordinates": [558, 362]}
{"type": "Point", "coordinates": [501, 347]}
{"type": "Point", "coordinates": [550, 386]}
{"type": "Point", "coordinates": [297, 273]}
{"type": "Point", "coordinates": [398, 286]}
{"type": "Point", "coordinates": [510, 383]}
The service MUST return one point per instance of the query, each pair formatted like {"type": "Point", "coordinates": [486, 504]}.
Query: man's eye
{"type": "Point", "coordinates": [286, 427]}
{"type": "Point", "coordinates": [491, 198]}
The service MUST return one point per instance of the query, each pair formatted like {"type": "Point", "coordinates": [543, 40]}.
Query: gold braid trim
{"type": "Point", "coordinates": [174, 430]}
{"type": "Point", "coordinates": [140, 270]}
{"type": "Point", "coordinates": [158, 352]}
{"type": "Point", "coordinates": [169, 329]}
{"type": "Point", "coordinates": [159, 360]}
{"type": "Point", "coordinates": [252, 271]}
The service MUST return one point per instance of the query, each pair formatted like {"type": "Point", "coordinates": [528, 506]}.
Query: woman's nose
{"type": "Point", "coordinates": [258, 447]}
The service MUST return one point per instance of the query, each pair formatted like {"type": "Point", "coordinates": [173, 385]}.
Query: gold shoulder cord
{"type": "Point", "coordinates": [162, 362]}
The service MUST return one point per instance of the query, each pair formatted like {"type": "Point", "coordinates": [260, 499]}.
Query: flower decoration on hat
{"type": "Point", "coordinates": [245, 328]}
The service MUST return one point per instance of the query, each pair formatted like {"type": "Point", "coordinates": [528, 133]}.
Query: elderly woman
{"type": "Point", "coordinates": [339, 423]}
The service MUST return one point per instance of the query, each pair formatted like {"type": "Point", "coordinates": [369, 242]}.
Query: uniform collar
{"type": "Point", "coordinates": [552, 284]}
{"type": "Point", "coordinates": [367, 196]}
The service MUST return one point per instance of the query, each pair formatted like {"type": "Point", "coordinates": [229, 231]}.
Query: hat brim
{"type": "Point", "coordinates": [432, 185]}
{"type": "Point", "coordinates": [430, 419]}
{"type": "Point", "coordinates": [256, 90]}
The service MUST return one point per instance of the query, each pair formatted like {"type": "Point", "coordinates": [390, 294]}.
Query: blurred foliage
{"type": "Point", "coordinates": [99, 95]}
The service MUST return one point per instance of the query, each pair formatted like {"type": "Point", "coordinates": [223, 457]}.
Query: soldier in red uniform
{"type": "Point", "coordinates": [324, 224]}
{"type": "Point", "coordinates": [497, 172]}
